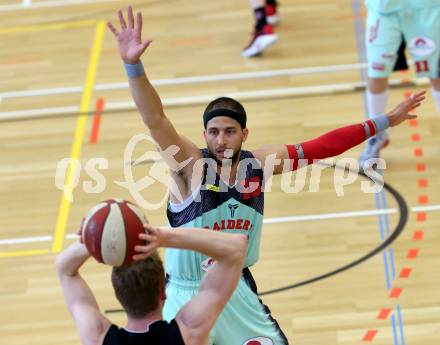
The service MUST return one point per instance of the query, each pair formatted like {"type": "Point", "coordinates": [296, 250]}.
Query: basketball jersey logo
{"type": "Point", "coordinates": [259, 341]}
{"type": "Point", "coordinates": [232, 208]}
{"type": "Point", "coordinates": [422, 46]}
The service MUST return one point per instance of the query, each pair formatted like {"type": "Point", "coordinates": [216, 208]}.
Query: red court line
{"type": "Point", "coordinates": [418, 235]}
{"type": "Point", "coordinates": [423, 199]}
{"type": "Point", "coordinates": [369, 336]}
{"type": "Point", "coordinates": [421, 216]}
{"type": "Point", "coordinates": [93, 139]}
{"type": "Point", "coordinates": [384, 313]}
{"type": "Point", "coordinates": [412, 253]}
{"type": "Point", "coordinates": [395, 292]}
{"type": "Point", "coordinates": [423, 183]}
{"type": "Point", "coordinates": [421, 167]}
{"type": "Point", "coordinates": [413, 123]}
{"type": "Point", "coordinates": [405, 272]}
{"type": "Point", "coordinates": [415, 137]}
{"type": "Point", "coordinates": [418, 152]}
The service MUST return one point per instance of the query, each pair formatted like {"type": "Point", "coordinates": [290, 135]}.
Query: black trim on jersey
{"type": "Point", "coordinates": [159, 333]}
{"type": "Point", "coordinates": [209, 199]}
{"type": "Point", "coordinates": [250, 281]}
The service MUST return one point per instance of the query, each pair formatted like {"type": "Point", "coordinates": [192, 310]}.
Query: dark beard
{"type": "Point", "coordinates": [235, 156]}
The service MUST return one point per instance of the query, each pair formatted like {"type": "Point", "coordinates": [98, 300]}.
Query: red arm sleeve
{"type": "Point", "coordinates": [332, 143]}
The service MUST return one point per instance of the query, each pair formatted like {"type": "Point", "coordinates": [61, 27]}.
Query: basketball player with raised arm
{"type": "Point", "coordinates": [222, 187]}
{"type": "Point", "coordinates": [140, 288]}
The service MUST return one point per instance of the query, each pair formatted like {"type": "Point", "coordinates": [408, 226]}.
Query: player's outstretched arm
{"type": "Point", "coordinates": [339, 140]}
{"type": "Point", "coordinates": [91, 323]}
{"type": "Point", "coordinates": [131, 47]}
{"type": "Point", "coordinates": [197, 317]}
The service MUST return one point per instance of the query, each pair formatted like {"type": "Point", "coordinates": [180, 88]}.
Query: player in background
{"type": "Point", "coordinates": [266, 16]}
{"type": "Point", "coordinates": [418, 22]}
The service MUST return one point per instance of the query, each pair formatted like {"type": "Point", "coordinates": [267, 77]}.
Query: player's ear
{"type": "Point", "coordinates": [245, 134]}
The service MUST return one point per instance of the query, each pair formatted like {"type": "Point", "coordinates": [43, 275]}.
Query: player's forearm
{"type": "Point", "coordinates": [339, 140]}
{"type": "Point", "coordinates": [336, 142]}
{"type": "Point", "coordinates": [71, 259]}
{"type": "Point", "coordinates": [217, 245]}
{"type": "Point", "coordinates": [147, 100]}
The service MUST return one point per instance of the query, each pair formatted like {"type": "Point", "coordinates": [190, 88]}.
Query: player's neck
{"type": "Point", "coordinates": [142, 324]}
{"type": "Point", "coordinates": [228, 171]}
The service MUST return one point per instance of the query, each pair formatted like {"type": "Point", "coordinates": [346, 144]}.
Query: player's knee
{"type": "Point", "coordinates": [377, 84]}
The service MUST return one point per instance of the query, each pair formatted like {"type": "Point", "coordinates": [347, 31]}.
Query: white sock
{"type": "Point", "coordinates": [436, 96]}
{"type": "Point", "coordinates": [257, 4]}
{"type": "Point", "coordinates": [376, 105]}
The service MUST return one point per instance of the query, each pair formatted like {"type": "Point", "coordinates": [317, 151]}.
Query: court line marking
{"type": "Point", "coordinates": [274, 220]}
{"type": "Point", "coordinates": [47, 27]}
{"type": "Point", "coordinates": [63, 214]}
{"type": "Point", "coordinates": [24, 253]}
{"type": "Point", "coordinates": [320, 90]}
{"type": "Point", "coordinates": [35, 239]}
{"type": "Point", "coordinates": [48, 4]}
{"type": "Point", "coordinates": [196, 79]}
{"type": "Point", "coordinates": [96, 124]}
{"type": "Point", "coordinates": [201, 79]}
{"type": "Point", "coordinates": [381, 199]}
{"type": "Point", "coordinates": [412, 253]}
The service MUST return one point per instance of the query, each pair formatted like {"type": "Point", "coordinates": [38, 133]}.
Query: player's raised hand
{"type": "Point", "coordinates": [402, 111]}
{"type": "Point", "coordinates": [129, 38]}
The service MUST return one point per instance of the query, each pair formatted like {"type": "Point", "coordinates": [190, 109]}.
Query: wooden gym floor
{"type": "Point", "coordinates": [48, 77]}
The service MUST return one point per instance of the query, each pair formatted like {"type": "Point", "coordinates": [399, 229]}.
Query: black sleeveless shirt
{"type": "Point", "coordinates": [159, 332]}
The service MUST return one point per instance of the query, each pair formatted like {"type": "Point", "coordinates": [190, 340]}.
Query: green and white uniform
{"type": "Point", "coordinates": [233, 209]}
{"type": "Point", "coordinates": [418, 21]}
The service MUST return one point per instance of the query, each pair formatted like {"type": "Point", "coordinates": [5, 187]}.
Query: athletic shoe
{"type": "Point", "coordinates": [373, 147]}
{"type": "Point", "coordinates": [260, 40]}
{"type": "Point", "coordinates": [272, 14]}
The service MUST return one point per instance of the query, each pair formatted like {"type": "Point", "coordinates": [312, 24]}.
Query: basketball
{"type": "Point", "coordinates": [110, 231]}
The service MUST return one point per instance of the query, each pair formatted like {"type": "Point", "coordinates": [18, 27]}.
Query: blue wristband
{"type": "Point", "coordinates": [381, 123]}
{"type": "Point", "coordinates": [134, 71]}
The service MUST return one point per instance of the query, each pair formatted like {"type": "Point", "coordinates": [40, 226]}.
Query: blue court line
{"type": "Point", "coordinates": [393, 269]}
{"type": "Point", "coordinates": [390, 250]}
{"type": "Point", "coordinates": [399, 316]}
{"type": "Point", "coordinates": [387, 279]}
{"type": "Point", "coordinates": [383, 220]}
{"type": "Point", "coordinates": [393, 322]}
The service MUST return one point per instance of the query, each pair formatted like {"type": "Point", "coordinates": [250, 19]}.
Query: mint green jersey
{"type": "Point", "coordinates": [220, 207]}
{"type": "Point", "coordinates": [233, 209]}
{"type": "Point", "coordinates": [389, 6]}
